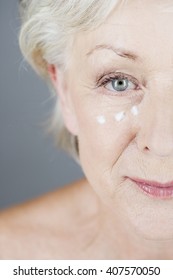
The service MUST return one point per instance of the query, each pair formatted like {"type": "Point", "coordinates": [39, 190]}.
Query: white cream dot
{"type": "Point", "coordinates": [120, 116]}
{"type": "Point", "coordinates": [101, 120]}
{"type": "Point", "coordinates": [134, 110]}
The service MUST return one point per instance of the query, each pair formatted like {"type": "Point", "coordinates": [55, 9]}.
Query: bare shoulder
{"type": "Point", "coordinates": [52, 226]}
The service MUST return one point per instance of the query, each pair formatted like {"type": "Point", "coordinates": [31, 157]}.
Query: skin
{"type": "Point", "coordinates": [106, 216]}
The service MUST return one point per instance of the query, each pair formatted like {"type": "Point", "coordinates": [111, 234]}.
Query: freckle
{"type": "Point", "coordinates": [134, 110]}
{"type": "Point", "coordinates": [101, 120]}
{"type": "Point", "coordinates": [120, 116]}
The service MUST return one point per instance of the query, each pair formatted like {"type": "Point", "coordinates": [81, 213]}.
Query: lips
{"type": "Point", "coordinates": [154, 189]}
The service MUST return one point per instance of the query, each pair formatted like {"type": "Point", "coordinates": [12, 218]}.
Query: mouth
{"type": "Point", "coordinates": [154, 189]}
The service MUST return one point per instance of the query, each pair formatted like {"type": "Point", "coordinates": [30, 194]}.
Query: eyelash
{"type": "Point", "coordinates": [106, 79]}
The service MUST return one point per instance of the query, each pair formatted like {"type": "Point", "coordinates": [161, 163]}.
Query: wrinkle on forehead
{"type": "Point", "coordinates": [163, 6]}
{"type": "Point", "coordinates": [166, 7]}
{"type": "Point", "coordinates": [141, 29]}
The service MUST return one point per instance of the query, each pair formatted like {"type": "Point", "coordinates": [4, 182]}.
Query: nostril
{"type": "Point", "coordinates": [159, 150]}
{"type": "Point", "coordinates": [146, 149]}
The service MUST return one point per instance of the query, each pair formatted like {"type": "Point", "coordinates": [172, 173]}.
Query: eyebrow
{"type": "Point", "coordinates": [119, 51]}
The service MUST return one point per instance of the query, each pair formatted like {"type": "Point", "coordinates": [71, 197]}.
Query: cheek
{"type": "Point", "coordinates": [104, 135]}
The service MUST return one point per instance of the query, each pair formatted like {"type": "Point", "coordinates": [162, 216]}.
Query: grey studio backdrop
{"type": "Point", "coordinates": [30, 164]}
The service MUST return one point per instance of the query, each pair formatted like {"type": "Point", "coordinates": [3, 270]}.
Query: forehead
{"type": "Point", "coordinates": [142, 26]}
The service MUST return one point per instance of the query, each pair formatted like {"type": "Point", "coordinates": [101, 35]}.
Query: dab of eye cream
{"type": "Point", "coordinates": [135, 110]}
{"type": "Point", "coordinates": [101, 120]}
{"type": "Point", "coordinates": [120, 116]}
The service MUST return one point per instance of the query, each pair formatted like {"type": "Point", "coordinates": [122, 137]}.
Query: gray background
{"type": "Point", "coordinates": [30, 165]}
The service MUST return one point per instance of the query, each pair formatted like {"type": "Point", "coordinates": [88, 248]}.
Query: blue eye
{"type": "Point", "coordinates": [120, 84]}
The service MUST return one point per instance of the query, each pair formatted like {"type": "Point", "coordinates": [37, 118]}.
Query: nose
{"type": "Point", "coordinates": [155, 133]}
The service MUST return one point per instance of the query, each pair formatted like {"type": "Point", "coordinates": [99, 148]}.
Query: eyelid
{"type": "Point", "coordinates": [105, 79]}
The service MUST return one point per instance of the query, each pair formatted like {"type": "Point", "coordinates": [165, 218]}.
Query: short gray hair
{"type": "Point", "coordinates": [47, 32]}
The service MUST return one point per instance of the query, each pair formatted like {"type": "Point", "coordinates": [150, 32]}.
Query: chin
{"type": "Point", "coordinates": [143, 216]}
{"type": "Point", "coordinates": [153, 229]}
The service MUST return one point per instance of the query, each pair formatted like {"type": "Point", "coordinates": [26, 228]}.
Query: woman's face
{"type": "Point", "coordinates": [119, 102]}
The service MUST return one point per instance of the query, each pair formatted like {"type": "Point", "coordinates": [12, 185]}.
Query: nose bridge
{"type": "Point", "coordinates": [156, 125]}
{"type": "Point", "coordinates": [161, 82]}
{"type": "Point", "coordinates": [161, 101]}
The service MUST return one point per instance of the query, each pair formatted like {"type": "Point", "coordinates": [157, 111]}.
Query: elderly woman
{"type": "Point", "coordinates": [110, 63]}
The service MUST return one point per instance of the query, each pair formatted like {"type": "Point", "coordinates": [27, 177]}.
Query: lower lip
{"type": "Point", "coordinates": [158, 192]}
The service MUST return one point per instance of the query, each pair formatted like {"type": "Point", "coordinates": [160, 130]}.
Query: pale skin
{"type": "Point", "coordinates": [106, 216]}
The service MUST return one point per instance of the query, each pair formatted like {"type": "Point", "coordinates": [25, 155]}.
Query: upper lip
{"type": "Point", "coordinates": [153, 183]}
